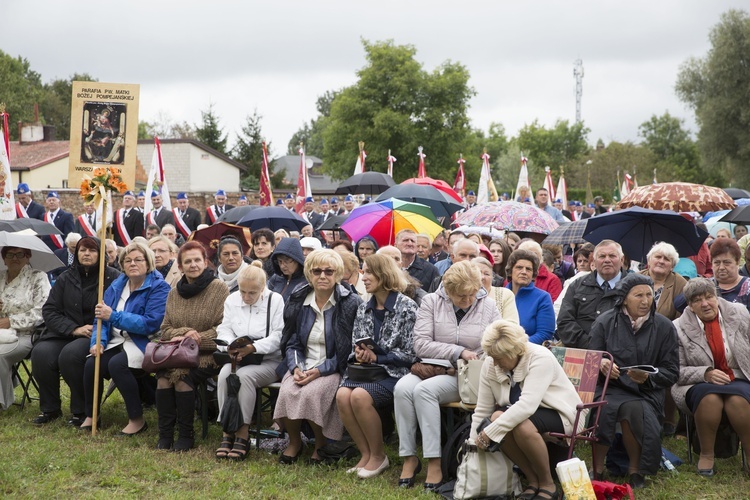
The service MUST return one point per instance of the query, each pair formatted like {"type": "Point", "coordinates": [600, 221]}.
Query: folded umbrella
{"type": "Point", "coordinates": [231, 413]}
{"type": "Point", "coordinates": [636, 229]}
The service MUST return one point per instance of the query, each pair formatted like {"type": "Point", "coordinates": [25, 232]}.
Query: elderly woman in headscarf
{"type": "Point", "coordinates": [288, 262]}
{"type": "Point", "coordinates": [714, 337]}
{"type": "Point", "coordinates": [231, 262]}
{"type": "Point", "coordinates": [635, 334]}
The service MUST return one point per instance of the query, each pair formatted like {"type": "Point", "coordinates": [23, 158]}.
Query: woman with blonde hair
{"type": "Point", "coordinates": [534, 397]}
{"type": "Point", "coordinates": [316, 342]}
{"type": "Point", "coordinates": [504, 298]}
{"type": "Point", "coordinates": [449, 326]}
{"type": "Point", "coordinates": [387, 319]}
{"type": "Point", "coordinates": [165, 251]}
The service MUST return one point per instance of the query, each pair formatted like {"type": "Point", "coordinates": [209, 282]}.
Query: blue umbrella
{"type": "Point", "coordinates": [637, 229]}
{"type": "Point", "coordinates": [273, 218]}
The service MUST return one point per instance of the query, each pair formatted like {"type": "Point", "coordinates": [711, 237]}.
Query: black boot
{"type": "Point", "coordinates": [185, 416]}
{"type": "Point", "coordinates": [166, 409]}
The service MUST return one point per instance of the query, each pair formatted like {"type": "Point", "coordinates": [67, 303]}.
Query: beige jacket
{"type": "Point", "coordinates": [695, 353]}
{"type": "Point", "coordinates": [543, 384]}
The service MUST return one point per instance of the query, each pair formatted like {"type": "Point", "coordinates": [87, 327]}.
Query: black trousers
{"type": "Point", "coordinates": [114, 365]}
{"type": "Point", "coordinates": [52, 358]}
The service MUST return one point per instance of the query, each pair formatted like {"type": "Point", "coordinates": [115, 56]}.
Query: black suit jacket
{"type": "Point", "coordinates": [63, 222]}
{"type": "Point", "coordinates": [207, 218]}
{"type": "Point", "coordinates": [315, 219]}
{"type": "Point", "coordinates": [567, 214]}
{"type": "Point", "coordinates": [424, 272]}
{"type": "Point", "coordinates": [79, 227]}
{"type": "Point", "coordinates": [35, 210]}
{"type": "Point", "coordinates": [585, 215]}
{"type": "Point", "coordinates": [191, 218]}
{"type": "Point", "coordinates": [165, 217]}
{"type": "Point", "coordinates": [133, 225]}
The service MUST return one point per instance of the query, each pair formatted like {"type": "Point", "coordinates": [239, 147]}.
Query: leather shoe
{"type": "Point", "coordinates": [131, 434]}
{"type": "Point", "coordinates": [353, 470]}
{"type": "Point", "coordinates": [433, 487]}
{"type": "Point", "coordinates": [408, 482]}
{"type": "Point", "coordinates": [637, 481]}
{"type": "Point", "coordinates": [46, 418]}
{"type": "Point", "coordinates": [706, 472]}
{"type": "Point", "coordinates": [367, 474]}
{"type": "Point", "coordinates": [76, 420]}
{"type": "Point", "coordinates": [289, 460]}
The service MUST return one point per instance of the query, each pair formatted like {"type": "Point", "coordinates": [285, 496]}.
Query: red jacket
{"type": "Point", "coordinates": [548, 282]}
{"type": "Point", "coordinates": [703, 262]}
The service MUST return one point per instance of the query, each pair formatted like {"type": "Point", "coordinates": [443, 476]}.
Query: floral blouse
{"type": "Point", "coordinates": [22, 299]}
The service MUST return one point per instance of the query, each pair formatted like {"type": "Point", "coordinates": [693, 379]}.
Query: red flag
{"type": "Point", "coordinates": [266, 194]}
{"type": "Point", "coordinates": [422, 172]}
{"type": "Point", "coordinates": [459, 185]}
{"type": "Point", "coordinates": [303, 183]}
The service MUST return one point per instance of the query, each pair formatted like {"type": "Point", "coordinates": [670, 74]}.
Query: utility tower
{"type": "Point", "coordinates": [578, 74]}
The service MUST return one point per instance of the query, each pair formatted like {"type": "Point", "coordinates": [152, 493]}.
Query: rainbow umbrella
{"type": "Point", "coordinates": [384, 219]}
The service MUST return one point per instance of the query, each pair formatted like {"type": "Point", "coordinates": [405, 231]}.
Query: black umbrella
{"type": "Point", "coordinates": [737, 193]}
{"type": "Point", "coordinates": [231, 412]}
{"type": "Point", "coordinates": [366, 183]}
{"type": "Point", "coordinates": [235, 214]}
{"type": "Point", "coordinates": [440, 203]}
{"type": "Point", "coordinates": [40, 227]}
{"type": "Point", "coordinates": [273, 218]}
{"type": "Point", "coordinates": [738, 215]}
{"type": "Point", "coordinates": [333, 223]}
{"type": "Point", "coordinates": [636, 229]}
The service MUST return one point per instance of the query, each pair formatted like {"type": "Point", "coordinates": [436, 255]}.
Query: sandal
{"type": "Point", "coordinates": [529, 493]}
{"type": "Point", "coordinates": [225, 448]}
{"type": "Point", "coordinates": [548, 494]}
{"type": "Point", "coordinates": [239, 450]}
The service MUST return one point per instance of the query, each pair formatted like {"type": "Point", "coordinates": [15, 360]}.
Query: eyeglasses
{"type": "Point", "coordinates": [128, 262]}
{"type": "Point", "coordinates": [19, 255]}
{"type": "Point", "coordinates": [328, 272]}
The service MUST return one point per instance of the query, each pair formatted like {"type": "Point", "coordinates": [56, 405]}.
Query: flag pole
{"type": "Point", "coordinates": [102, 266]}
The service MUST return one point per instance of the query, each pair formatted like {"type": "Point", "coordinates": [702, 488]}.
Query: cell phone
{"type": "Point", "coordinates": [369, 343]}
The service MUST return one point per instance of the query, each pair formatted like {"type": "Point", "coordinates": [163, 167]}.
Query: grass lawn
{"type": "Point", "coordinates": [57, 461]}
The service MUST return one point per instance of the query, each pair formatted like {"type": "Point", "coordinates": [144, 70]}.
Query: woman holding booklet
{"type": "Point", "coordinates": [635, 334]}
{"type": "Point", "coordinates": [383, 352]}
{"type": "Point", "coordinates": [449, 326]}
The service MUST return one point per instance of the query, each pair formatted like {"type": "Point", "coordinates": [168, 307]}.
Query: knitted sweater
{"type": "Point", "coordinates": [202, 313]}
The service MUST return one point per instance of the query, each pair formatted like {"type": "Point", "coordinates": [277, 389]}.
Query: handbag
{"type": "Point", "coordinates": [484, 474]}
{"type": "Point", "coordinates": [222, 357]}
{"type": "Point", "coordinates": [168, 354]}
{"type": "Point", "coordinates": [366, 372]}
{"type": "Point", "coordinates": [574, 479]}
{"type": "Point", "coordinates": [468, 380]}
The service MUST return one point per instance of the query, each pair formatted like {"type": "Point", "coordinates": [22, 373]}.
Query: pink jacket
{"type": "Point", "coordinates": [437, 334]}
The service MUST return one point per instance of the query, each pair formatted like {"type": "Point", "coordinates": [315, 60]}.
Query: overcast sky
{"type": "Point", "coordinates": [279, 56]}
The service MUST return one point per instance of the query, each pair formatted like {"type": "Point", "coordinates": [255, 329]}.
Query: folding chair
{"type": "Point", "coordinates": [265, 399]}
{"type": "Point", "coordinates": [21, 372]}
{"type": "Point", "coordinates": [582, 368]}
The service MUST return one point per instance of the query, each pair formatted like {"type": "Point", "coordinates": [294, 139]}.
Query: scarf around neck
{"type": "Point", "coordinates": [188, 290]}
{"type": "Point", "coordinates": [716, 343]}
{"type": "Point", "coordinates": [231, 279]}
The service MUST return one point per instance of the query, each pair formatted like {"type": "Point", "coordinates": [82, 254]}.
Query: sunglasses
{"type": "Point", "coordinates": [328, 272]}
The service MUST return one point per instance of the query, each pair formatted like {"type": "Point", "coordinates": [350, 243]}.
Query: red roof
{"type": "Point", "coordinates": [31, 155]}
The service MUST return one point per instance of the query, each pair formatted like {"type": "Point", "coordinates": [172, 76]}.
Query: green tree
{"type": "Point", "coordinates": [56, 100]}
{"type": "Point", "coordinates": [396, 104]}
{"type": "Point", "coordinates": [248, 150]}
{"type": "Point", "coordinates": [675, 149]}
{"type": "Point", "coordinates": [209, 132]}
{"type": "Point", "coordinates": [603, 164]}
{"type": "Point", "coordinates": [562, 145]}
{"type": "Point", "coordinates": [716, 87]}
{"type": "Point", "coordinates": [21, 88]}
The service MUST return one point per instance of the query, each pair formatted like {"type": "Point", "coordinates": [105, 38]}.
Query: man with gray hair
{"type": "Point", "coordinates": [463, 249]}
{"type": "Point", "coordinates": [587, 298]}
{"type": "Point", "coordinates": [66, 255]}
{"type": "Point", "coordinates": [417, 267]}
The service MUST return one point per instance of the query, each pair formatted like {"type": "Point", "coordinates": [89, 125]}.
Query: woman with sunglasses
{"type": "Point", "coordinates": [23, 292]}
{"type": "Point", "coordinates": [316, 341]}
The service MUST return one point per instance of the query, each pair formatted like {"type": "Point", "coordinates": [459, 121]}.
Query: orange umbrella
{"type": "Point", "coordinates": [678, 197]}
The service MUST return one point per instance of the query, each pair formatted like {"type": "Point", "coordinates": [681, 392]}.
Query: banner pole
{"type": "Point", "coordinates": [102, 267]}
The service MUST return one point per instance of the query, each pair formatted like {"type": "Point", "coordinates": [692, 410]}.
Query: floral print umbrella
{"type": "Point", "coordinates": [509, 216]}
{"type": "Point", "coordinates": [678, 197]}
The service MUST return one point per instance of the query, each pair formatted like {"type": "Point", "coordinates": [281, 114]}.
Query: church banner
{"type": "Point", "coordinates": [103, 129]}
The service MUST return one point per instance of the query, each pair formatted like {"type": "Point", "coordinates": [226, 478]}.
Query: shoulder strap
{"type": "Point", "coordinates": [268, 314]}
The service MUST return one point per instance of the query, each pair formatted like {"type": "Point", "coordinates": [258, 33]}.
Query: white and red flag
{"type": "Point", "coordinates": [359, 168]}
{"type": "Point", "coordinates": [391, 161]}
{"type": "Point", "coordinates": [303, 182]}
{"type": "Point", "coordinates": [7, 200]}
{"type": "Point", "coordinates": [548, 184]}
{"type": "Point", "coordinates": [487, 191]}
{"type": "Point", "coordinates": [266, 193]}
{"type": "Point", "coordinates": [627, 185]}
{"type": "Point", "coordinates": [459, 185]}
{"type": "Point", "coordinates": [523, 177]}
{"type": "Point", "coordinates": [157, 183]}
{"type": "Point", "coordinates": [562, 190]}
{"type": "Point", "coordinates": [422, 172]}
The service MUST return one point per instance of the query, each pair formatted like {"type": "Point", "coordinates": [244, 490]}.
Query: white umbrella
{"type": "Point", "coordinates": [42, 257]}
